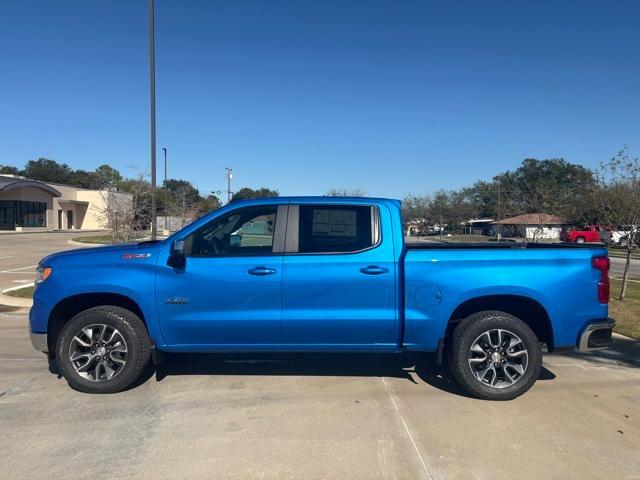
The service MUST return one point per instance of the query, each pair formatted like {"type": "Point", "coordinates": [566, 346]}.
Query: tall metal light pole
{"type": "Point", "coordinates": [229, 177]}
{"type": "Point", "coordinates": [166, 224]}
{"type": "Point", "coordinates": [152, 81]}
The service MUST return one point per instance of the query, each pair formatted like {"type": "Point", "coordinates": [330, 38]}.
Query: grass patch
{"type": "Point", "coordinates": [26, 292]}
{"type": "Point", "coordinates": [94, 239]}
{"type": "Point", "coordinates": [626, 313]}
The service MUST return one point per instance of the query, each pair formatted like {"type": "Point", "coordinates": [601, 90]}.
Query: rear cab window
{"type": "Point", "coordinates": [337, 228]}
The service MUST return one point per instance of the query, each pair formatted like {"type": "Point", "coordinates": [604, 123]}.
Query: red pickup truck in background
{"type": "Point", "coordinates": [593, 233]}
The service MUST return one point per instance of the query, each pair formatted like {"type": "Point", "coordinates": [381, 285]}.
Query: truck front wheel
{"type": "Point", "coordinates": [495, 356]}
{"type": "Point", "coordinates": [103, 349]}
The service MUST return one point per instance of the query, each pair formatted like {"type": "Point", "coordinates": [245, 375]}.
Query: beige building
{"type": "Point", "coordinates": [32, 205]}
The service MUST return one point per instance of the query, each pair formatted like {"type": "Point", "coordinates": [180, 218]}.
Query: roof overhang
{"type": "Point", "coordinates": [73, 202]}
{"type": "Point", "coordinates": [19, 183]}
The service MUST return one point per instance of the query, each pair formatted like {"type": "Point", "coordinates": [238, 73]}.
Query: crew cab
{"type": "Point", "coordinates": [323, 274]}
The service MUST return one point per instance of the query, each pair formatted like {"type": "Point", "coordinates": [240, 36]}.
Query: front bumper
{"type": "Point", "coordinates": [596, 336]}
{"type": "Point", "coordinates": [39, 341]}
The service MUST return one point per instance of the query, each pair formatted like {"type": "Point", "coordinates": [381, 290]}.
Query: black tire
{"type": "Point", "coordinates": [136, 342]}
{"type": "Point", "coordinates": [470, 330]}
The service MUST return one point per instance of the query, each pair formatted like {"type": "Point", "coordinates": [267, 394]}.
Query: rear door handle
{"type": "Point", "coordinates": [374, 270]}
{"type": "Point", "coordinates": [261, 271]}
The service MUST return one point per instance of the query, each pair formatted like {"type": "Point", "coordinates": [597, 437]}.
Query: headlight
{"type": "Point", "coordinates": [42, 273]}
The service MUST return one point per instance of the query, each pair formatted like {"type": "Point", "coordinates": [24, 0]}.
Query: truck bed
{"type": "Point", "coordinates": [436, 245]}
{"type": "Point", "coordinates": [439, 277]}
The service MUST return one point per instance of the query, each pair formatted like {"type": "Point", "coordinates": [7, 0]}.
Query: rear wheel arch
{"type": "Point", "coordinates": [69, 307]}
{"type": "Point", "coordinates": [525, 308]}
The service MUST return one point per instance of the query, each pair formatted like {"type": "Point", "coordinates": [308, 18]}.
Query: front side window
{"type": "Point", "coordinates": [248, 231]}
{"type": "Point", "coordinates": [336, 228]}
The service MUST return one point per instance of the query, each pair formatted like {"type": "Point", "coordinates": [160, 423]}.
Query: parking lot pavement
{"type": "Point", "coordinates": [21, 252]}
{"type": "Point", "coordinates": [315, 416]}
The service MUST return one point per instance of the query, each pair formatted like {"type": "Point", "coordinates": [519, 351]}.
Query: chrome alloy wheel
{"type": "Point", "coordinates": [498, 358]}
{"type": "Point", "coordinates": [98, 352]}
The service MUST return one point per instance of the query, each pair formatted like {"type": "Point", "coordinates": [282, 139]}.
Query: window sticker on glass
{"type": "Point", "coordinates": [334, 222]}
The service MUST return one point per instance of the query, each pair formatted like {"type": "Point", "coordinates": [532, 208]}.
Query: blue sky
{"type": "Point", "coordinates": [386, 96]}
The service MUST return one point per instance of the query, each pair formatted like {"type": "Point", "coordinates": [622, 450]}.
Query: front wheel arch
{"type": "Point", "coordinates": [69, 307]}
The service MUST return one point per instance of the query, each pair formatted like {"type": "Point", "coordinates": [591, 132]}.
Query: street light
{"type": "Point", "coordinates": [166, 220]}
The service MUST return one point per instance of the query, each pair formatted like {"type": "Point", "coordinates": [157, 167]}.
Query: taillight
{"type": "Point", "coordinates": [602, 264]}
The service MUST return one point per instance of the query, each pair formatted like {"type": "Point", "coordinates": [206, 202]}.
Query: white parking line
{"type": "Point", "coordinates": [13, 270]}
{"type": "Point", "coordinates": [415, 446]}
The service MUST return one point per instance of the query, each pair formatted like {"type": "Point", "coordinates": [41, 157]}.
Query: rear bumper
{"type": "Point", "coordinates": [596, 336]}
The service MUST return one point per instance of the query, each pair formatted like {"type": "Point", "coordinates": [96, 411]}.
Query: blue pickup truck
{"type": "Point", "coordinates": [323, 274]}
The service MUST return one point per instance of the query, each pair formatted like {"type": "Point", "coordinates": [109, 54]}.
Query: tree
{"type": "Point", "coordinates": [208, 204]}
{"type": "Point", "coordinates": [618, 197]}
{"type": "Point", "coordinates": [416, 211]}
{"type": "Point", "coordinates": [184, 188]}
{"type": "Point", "coordinates": [127, 214]}
{"type": "Point", "coordinates": [84, 179]}
{"type": "Point", "coordinates": [182, 203]}
{"type": "Point", "coordinates": [9, 169]}
{"type": "Point", "coordinates": [552, 186]}
{"type": "Point", "coordinates": [483, 198]}
{"type": "Point", "coordinates": [245, 193]}
{"type": "Point", "coordinates": [108, 177]}
{"type": "Point", "coordinates": [47, 170]}
{"type": "Point", "coordinates": [343, 192]}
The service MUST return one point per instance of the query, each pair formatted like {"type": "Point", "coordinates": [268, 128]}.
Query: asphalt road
{"type": "Point", "coordinates": [617, 266]}
{"type": "Point", "coordinates": [313, 416]}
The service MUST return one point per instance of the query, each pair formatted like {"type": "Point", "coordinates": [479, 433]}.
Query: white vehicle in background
{"type": "Point", "coordinates": [620, 236]}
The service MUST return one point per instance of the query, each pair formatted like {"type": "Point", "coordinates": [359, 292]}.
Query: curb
{"type": "Point", "coordinates": [83, 244]}
{"type": "Point", "coordinates": [10, 301]}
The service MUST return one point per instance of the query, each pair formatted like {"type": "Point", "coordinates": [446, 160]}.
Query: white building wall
{"type": "Point", "coordinates": [543, 233]}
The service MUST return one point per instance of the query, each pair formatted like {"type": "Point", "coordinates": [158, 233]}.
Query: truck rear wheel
{"type": "Point", "coordinates": [103, 350]}
{"type": "Point", "coordinates": [495, 356]}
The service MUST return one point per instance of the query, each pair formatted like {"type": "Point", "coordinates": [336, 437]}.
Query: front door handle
{"type": "Point", "coordinates": [261, 271]}
{"type": "Point", "coordinates": [374, 270]}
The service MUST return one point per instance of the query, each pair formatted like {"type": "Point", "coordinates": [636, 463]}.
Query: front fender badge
{"type": "Point", "coordinates": [135, 256]}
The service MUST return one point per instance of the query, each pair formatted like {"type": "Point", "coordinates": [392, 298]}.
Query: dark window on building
{"type": "Point", "coordinates": [248, 231]}
{"type": "Point", "coordinates": [16, 213]}
{"type": "Point", "coordinates": [31, 214]}
{"type": "Point", "coordinates": [337, 228]}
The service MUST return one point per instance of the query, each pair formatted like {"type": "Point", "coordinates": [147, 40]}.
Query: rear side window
{"type": "Point", "coordinates": [337, 228]}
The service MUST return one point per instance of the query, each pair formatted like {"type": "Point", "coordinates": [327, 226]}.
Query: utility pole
{"type": "Point", "coordinates": [152, 85]}
{"type": "Point", "coordinates": [229, 177]}
{"type": "Point", "coordinates": [166, 219]}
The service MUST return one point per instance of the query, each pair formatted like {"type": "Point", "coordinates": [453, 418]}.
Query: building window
{"type": "Point", "coordinates": [31, 214]}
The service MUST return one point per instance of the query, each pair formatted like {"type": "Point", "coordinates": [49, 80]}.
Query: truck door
{"type": "Point", "coordinates": [339, 280]}
{"type": "Point", "coordinates": [228, 294]}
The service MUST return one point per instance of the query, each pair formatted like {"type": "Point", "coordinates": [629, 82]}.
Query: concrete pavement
{"type": "Point", "coordinates": [318, 416]}
{"type": "Point", "coordinates": [21, 252]}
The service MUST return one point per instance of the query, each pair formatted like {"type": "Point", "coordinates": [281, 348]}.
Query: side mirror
{"type": "Point", "coordinates": [178, 256]}
{"type": "Point", "coordinates": [235, 240]}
